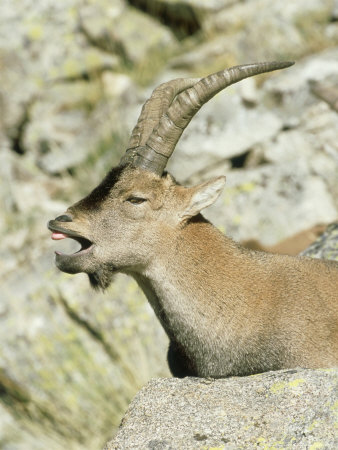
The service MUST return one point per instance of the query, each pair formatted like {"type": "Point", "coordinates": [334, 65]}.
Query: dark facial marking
{"type": "Point", "coordinates": [101, 192]}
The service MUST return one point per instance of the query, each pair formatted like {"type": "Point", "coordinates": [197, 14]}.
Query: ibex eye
{"type": "Point", "coordinates": [136, 200]}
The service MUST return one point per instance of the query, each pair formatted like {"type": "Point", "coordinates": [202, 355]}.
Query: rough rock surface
{"type": "Point", "coordinates": [284, 409]}
{"type": "Point", "coordinates": [326, 246]}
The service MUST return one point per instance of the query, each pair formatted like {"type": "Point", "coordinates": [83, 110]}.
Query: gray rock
{"type": "Point", "coordinates": [186, 14]}
{"type": "Point", "coordinates": [327, 90]}
{"type": "Point", "coordinates": [292, 88]}
{"type": "Point", "coordinates": [238, 34]}
{"type": "Point", "coordinates": [326, 246]}
{"type": "Point", "coordinates": [129, 33]}
{"type": "Point", "coordinates": [60, 131]}
{"type": "Point", "coordinates": [314, 141]}
{"type": "Point", "coordinates": [224, 128]}
{"type": "Point", "coordinates": [25, 194]}
{"type": "Point", "coordinates": [47, 45]}
{"type": "Point", "coordinates": [335, 10]}
{"type": "Point", "coordinates": [285, 409]}
{"type": "Point", "coordinates": [50, 83]}
{"type": "Point", "coordinates": [272, 202]}
{"type": "Point", "coordinates": [96, 21]}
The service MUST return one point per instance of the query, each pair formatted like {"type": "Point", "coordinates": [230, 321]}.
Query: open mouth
{"type": "Point", "coordinates": [59, 233]}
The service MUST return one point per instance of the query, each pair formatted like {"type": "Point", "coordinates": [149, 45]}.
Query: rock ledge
{"type": "Point", "coordinates": [283, 409]}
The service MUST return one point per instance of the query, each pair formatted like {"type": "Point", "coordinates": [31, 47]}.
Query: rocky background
{"type": "Point", "coordinates": [73, 76]}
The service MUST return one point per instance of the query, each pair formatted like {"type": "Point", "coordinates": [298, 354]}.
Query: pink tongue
{"type": "Point", "coordinates": [57, 236]}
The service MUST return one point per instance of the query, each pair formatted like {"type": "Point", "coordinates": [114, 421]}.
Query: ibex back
{"type": "Point", "coordinates": [227, 310]}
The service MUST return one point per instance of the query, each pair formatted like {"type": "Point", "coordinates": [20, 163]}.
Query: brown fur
{"type": "Point", "coordinates": [227, 310]}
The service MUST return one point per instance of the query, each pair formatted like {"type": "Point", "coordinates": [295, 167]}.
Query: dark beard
{"type": "Point", "coordinates": [102, 278]}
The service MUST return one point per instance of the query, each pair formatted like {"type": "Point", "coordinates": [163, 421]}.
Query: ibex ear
{"type": "Point", "coordinates": [203, 195]}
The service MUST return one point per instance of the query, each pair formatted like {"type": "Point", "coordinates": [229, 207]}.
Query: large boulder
{"type": "Point", "coordinates": [283, 409]}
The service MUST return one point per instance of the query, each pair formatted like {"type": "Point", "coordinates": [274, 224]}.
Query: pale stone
{"type": "Point", "coordinates": [285, 408]}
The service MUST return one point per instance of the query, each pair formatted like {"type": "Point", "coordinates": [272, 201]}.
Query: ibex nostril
{"type": "Point", "coordinates": [64, 218]}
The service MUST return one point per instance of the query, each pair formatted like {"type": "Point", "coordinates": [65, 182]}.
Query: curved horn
{"type": "Point", "coordinates": [152, 111]}
{"type": "Point", "coordinates": [159, 146]}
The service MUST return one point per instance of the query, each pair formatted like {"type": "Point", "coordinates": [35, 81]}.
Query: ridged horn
{"type": "Point", "coordinates": [155, 151]}
{"type": "Point", "coordinates": [151, 113]}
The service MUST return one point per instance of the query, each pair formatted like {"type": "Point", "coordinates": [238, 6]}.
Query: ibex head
{"type": "Point", "coordinates": [121, 223]}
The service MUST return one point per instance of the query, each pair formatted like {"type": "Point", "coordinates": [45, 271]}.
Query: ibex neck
{"type": "Point", "coordinates": [191, 261]}
{"type": "Point", "coordinates": [191, 287]}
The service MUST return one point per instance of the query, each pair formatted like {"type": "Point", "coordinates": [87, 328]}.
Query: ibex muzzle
{"type": "Point", "coordinates": [227, 310]}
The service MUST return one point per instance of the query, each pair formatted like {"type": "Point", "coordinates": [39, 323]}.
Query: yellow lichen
{"type": "Point", "coordinates": [35, 32]}
{"type": "Point", "coordinates": [262, 443]}
{"type": "Point", "coordinates": [71, 67]}
{"type": "Point", "coordinates": [247, 187]}
{"type": "Point", "coordinates": [237, 219]}
{"type": "Point", "coordinates": [93, 59]}
{"type": "Point", "coordinates": [316, 445]}
{"type": "Point", "coordinates": [295, 383]}
{"type": "Point", "coordinates": [277, 387]}
{"type": "Point", "coordinates": [38, 81]}
{"type": "Point", "coordinates": [73, 12]}
{"type": "Point", "coordinates": [335, 405]}
{"type": "Point", "coordinates": [282, 385]}
{"type": "Point", "coordinates": [313, 425]}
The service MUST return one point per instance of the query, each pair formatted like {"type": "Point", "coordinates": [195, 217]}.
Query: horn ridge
{"type": "Point", "coordinates": [155, 107]}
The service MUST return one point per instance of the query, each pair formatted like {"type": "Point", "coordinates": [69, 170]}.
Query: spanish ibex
{"type": "Point", "coordinates": [227, 310]}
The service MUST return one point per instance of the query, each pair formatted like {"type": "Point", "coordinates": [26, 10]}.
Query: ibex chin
{"type": "Point", "coordinates": [227, 310]}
